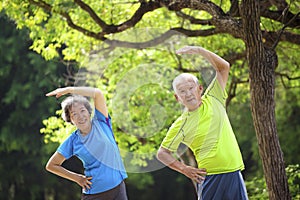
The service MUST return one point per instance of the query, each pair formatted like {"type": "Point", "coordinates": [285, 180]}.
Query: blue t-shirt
{"type": "Point", "coordinates": [99, 153]}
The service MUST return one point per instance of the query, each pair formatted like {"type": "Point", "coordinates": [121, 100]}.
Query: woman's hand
{"type": "Point", "coordinates": [59, 92]}
{"type": "Point", "coordinates": [84, 182]}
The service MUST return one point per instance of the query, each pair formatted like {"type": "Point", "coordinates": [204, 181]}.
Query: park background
{"type": "Point", "coordinates": [135, 80]}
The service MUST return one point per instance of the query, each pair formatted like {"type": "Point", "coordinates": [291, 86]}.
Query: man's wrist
{"type": "Point", "coordinates": [71, 90]}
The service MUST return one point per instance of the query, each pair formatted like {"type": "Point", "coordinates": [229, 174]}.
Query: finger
{"type": "Point", "coordinates": [201, 171]}
{"type": "Point", "coordinates": [88, 186]}
{"type": "Point", "coordinates": [200, 179]}
{"type": "Point", "coordinates": [50, 94]}
{"type": "Point", "coordinates": [184, 51]}
{"type": "Point", "coordinates": [180, 50]}
{"type": "Point", "coordinates": [88, 180]}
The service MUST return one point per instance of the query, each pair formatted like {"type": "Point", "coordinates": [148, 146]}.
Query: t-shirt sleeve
{"type": "Point", "coordinates": [215, 90]}
{"type": "Point", "coordinates": [105, 123]}
{"type": "Point", "coordinates": [66, 148]}
{"type": "Point", "coordinates": [174, 136]}
{"type": "Point", "coordinates": [100, 117]}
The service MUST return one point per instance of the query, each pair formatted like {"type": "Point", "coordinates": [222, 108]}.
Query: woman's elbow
{"type": "Point", "coordinates": [48, 167]}
{"type": "Point", "coordinates": [98, 93]}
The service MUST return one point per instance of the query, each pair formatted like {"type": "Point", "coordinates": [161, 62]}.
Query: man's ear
{"type": "Point", "coordinates": [201, 89]}
{"type": "Point", "coordinates": [176, 97]}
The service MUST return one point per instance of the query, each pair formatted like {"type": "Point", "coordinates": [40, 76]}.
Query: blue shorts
{"type": "Point", "coordinates": [228, 186]}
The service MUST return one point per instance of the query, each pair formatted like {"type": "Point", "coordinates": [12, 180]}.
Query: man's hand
{"type": "Point", "coordinates": [189, 50]}
{"type": "Point", "coordinates": [195, 174]}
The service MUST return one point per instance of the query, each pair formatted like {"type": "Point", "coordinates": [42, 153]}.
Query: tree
{"type": "Point", "coordinates": [25, 78]}
{"type": "Point", "coordinates": [83, 26]}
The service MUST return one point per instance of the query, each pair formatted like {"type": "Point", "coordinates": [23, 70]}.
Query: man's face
{"type": "Point", "coordinates": [188, 93]}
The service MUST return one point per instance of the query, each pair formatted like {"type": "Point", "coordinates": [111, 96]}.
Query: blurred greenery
{"type": "Point", "coordinates": [256, 187]}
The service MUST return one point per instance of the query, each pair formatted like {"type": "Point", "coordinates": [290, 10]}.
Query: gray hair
{"type": "Point", "coordinates": [67, 104]}
{"type": "Point", "coordinates": [184, 76]}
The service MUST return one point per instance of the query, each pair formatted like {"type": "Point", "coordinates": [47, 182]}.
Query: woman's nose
{"type": "Point", "coordinates": [79, 116]}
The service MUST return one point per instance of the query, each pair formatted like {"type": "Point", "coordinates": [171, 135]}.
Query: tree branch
{"type": "Point", "coordinates": [92, 14]}
{"type": "Point", "coordinates": [283, 75]}
{"type": "Point", "coordinates": [108, 29]}
{"type": "Point", "coordinates": [208, 6]}
{"type": "Point", "coordinates": [141, 11]}
{"type": "Point", "coordinates": [66, 16]}
{"type": "Point", "coordinates": [161, 38]}
{"type": "Point", "coordinates": [271, 37]}
{"type": "Point", "coordinates": [192, 19]}
{"type": "Point", "coordinates": [232, 89]}
{"type": "Point", "coordinates": [234, 8]}
{"type": "Point", "coordinates": [287, 18]}
{"type": "Point", "coordinates": [281, 31]}
{"type": "Point", "coordinates": [220, 22]}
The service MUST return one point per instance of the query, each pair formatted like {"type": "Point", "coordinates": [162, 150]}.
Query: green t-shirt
{"type": "Point", "coordinates": [208, 133]}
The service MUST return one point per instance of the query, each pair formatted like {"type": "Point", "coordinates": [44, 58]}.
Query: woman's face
{"type": "Point", "coordinates": [80, 117]}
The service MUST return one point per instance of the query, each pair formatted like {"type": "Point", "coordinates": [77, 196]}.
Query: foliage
{"type": "Point", "coordinates": [57, 129]}
{"type": "Point", "coordinates": [293, 172]}
{"type": "Point", "coordinates": [256, 187]}
{"type": "Point", "coordinates": [25, 78]}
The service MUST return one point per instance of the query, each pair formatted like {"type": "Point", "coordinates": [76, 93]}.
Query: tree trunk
{"type": "Point", "coordinates": [262, 63]}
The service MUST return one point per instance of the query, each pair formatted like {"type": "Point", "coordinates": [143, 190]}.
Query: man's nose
{"type": "Point", "coordinates": [188, 93]}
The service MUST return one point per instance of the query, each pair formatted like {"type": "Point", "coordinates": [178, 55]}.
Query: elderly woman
{"type": "Point", "coordinates": [93, 143]}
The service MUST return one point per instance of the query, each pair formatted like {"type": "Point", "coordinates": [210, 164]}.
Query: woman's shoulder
{"type": "Point", "coordinates": [100, 116]}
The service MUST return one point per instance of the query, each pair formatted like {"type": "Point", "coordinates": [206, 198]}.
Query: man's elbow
{"type": "Point", "coordinates": [158, 154]}
{"type": "Point", "coordinates": [161, 154]}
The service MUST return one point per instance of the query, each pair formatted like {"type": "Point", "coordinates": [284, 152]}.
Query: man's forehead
{"type": "Point", "coordinates": [185, 83]}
